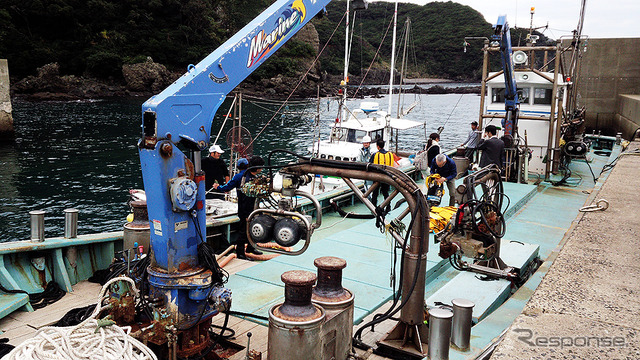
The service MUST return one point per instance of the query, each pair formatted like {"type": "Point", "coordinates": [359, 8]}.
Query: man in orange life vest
{"type": "Point", "coordinates": [382, 157]}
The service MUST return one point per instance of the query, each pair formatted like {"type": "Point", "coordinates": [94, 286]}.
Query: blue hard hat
{"type": "Point", "coordinates": [243, 161]}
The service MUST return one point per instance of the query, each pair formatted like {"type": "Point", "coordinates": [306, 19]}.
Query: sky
{"type": "Point", "coordinates": [603, 18]}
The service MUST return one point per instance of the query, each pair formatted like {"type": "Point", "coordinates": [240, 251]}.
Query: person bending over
{"type": "Point", "coordinates": [446, 168]}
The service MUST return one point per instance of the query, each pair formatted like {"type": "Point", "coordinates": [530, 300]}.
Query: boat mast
{"type": "Point", "coordinates": [387, 128]}
{"type": "Point", "coordinates": [345, 77]}
{"type": "Point", "coordinates": [400, 112]}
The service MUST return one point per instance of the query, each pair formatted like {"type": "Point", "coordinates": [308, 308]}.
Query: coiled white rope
{"type": "Point", "coordinates": [92, 339]}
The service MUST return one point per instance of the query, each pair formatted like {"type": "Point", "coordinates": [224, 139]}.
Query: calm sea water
{"type": "Point", "coordinates": [83, 154]}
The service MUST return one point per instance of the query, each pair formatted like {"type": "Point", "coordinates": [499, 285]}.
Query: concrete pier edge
{"type": "Point", "coordinates": [587, 305]}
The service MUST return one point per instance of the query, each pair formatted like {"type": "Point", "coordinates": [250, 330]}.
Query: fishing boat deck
{"type": "Point", "coordinates": [256, 286]}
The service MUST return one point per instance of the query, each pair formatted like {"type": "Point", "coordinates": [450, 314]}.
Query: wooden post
{"type": "Point", "coordinates": [483, 86]}
{"type": "Point", "coordinates": [6, 120]}
{"type": "Point", "coordinates": [552, 116]}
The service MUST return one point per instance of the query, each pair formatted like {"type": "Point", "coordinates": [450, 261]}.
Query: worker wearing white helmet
{"type": "Point", "coordinates": [365, 151]}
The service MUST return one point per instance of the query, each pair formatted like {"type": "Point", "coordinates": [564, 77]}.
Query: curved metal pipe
{"type": "Point", "coordinates": [317, 205]}
{"type": "Point", "coordinates": [411, 315]}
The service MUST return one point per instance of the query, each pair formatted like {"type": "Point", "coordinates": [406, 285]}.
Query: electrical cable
{"type": "Point", "coordinates": [76, 316]}
{"type": "Point", "coordinates": [240, 313]}
{"type": "Point", "coordinates": [224, 328]}
{"type": "Point", "coordinates": [349, 215]}
{"type": "Point", "coordinates": [423, 206]}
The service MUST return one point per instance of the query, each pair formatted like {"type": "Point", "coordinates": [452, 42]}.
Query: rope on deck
{"type": "Point", "coordinates": [92, 339]}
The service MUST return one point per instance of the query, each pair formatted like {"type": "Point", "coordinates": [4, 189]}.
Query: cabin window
{"type": "Point", "coordinates": [497, 95]}
{"type": "Point", "coordinates": [523, 95]}
{"type": "Point", "coordinates": [375, 135]}
{"type": "Point", "coordinates": [330, 157]}
{"type": "Point", "coordinates": [542, 96]}
{"type": "Point", "coordinates": [353, 159]}
{"type": "Point", "coordinates": [355, 135]}
{"type": "Point", "coordinates": [338, 158]}
{"type": "Point", "coordinates": [338, 133]}
{"type": "Point", "coordinates": [351, 136]}
{"type": "Point", "coordinates": [323, 156]}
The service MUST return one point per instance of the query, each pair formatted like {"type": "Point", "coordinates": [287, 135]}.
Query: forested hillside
{"type": "Point", "coordinates": [95, 38]}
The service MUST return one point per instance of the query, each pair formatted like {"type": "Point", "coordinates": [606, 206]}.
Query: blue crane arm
{"type": "Point", "coordinates": [503, 37]}
{"type": "Point", "coordinates": [182, 115]}
{"type": "Point", "coordinates": [185, 109]}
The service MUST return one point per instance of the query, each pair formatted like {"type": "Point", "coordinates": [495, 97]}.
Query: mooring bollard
{"type": "Point", "coordinates": [70, 223]}
{"type": "Point", "coordinates": [37, 225]}
{"type": "Point", "coordinates": [462, 317]}
{"type": "Point", "coordinates": [439, 333]}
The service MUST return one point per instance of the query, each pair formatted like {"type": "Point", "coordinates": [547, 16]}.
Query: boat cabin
{"type": "Point", "coordinates": [345, 139]}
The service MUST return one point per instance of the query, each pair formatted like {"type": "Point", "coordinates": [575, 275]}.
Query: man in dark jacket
{"type": "Point", "coordinates": [492, 148]}
{"type": "Point", "coordinates": [246, 205]}
{"type": "Point", "coordinates": [215, 170]}
{"type": "Point", "coordinates": [446, 168]}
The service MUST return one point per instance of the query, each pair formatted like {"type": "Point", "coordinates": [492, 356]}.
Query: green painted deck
{"type": "Point", "coordinates": [368, 256]}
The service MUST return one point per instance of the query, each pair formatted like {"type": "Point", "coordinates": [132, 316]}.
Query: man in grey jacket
{"type": "Point", "coordinates": [472, 141]}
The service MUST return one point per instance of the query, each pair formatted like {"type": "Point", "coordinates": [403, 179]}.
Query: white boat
{"type": "Point", "coordinates": [535, 92]}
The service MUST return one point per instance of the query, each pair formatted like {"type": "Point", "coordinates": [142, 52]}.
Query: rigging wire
{"type": "Point", "coordinates": [300, 81]}
{"type": "Point", "coordinates": [449, 117]}
{"type": "Point", "coordinates": [375, 56]}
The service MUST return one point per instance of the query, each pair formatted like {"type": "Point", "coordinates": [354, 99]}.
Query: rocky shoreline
{"type": "Point", "coordinates": [149, 78]}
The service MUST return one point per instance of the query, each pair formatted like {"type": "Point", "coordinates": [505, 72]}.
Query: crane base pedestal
{"type": "Point", "coordinates": [407, 340]}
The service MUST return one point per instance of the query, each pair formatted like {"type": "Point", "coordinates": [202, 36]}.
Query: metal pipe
{"type": "Point", "coordinates": [525, 48]}
{"type": "Point", "coordinates": [462, 317]}
{"type": "Point", "coordinates": [439, 333]}
{"type": "Point", "coordinates": [404, 213]}
{"type": "Point", "coordinates": [553, 120]}
{"type": "Point", "coordinates": [526, 117]}
{"type": "Point", "coordinates": [388, 200]}
{"type": "Point", "coordinates": [37, 225]}
{"type": "Point", "coordinates": [70, 223]}
{"type": "Point", "coordinates": [315, 203]}
{"type": "Point", "coordinates": [197, 161]}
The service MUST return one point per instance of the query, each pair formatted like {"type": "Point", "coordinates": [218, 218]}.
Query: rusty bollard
{"type": "Point", "coordinates": [338, 305]}
{"type": "Point", "coordinates": [295, 326]}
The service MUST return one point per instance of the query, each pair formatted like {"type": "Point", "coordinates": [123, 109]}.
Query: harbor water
{"type": "Point", "coordinates": [83, 154]}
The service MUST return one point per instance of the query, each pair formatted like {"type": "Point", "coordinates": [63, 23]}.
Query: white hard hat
{"type": "Point", "coordinates": [366, 139]}
{"type": "Point", "coordinates": [216, 148]}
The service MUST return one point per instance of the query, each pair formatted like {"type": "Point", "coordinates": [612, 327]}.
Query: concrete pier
{"type": "Point", "coordinates": [6, 120]}
{"type": "Point", "coordinates": [628, 115]}
{"type": "Point", "coordinates": [609, 68]}
{"type": "Point", "coordinates": [587, 305]}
